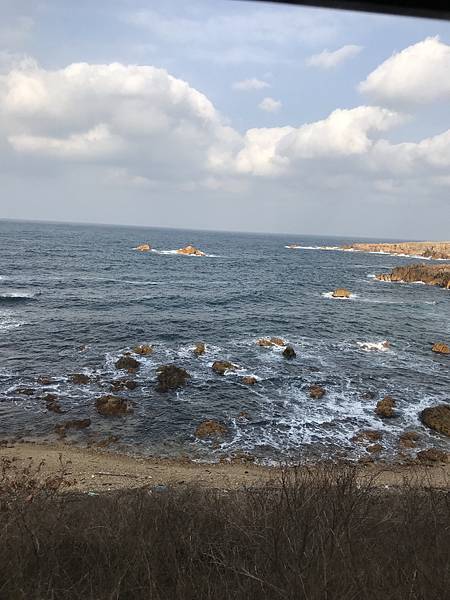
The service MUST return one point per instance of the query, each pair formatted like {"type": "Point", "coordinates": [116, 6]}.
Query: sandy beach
{"type": "Point", "coordinates": [91, 470]}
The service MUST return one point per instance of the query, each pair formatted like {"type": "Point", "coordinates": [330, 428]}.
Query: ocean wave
{"type": "Point", "coordinates": [176, 253]}
{"type": "Point", "coordinates": [374, 346]}
{"type": "Point", "coordinates": [8, 322]}
{"type": "Point", "coordinates": [17, 296]}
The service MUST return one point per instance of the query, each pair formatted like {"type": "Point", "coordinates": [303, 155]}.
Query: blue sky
{"type": "Point", "coordinates": [225, 103]}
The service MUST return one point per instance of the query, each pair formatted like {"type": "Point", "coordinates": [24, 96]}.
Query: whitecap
{"type": "Point", "coordinates": [330, 295]}
{"type": "Point", "coordinates": [371, 346]}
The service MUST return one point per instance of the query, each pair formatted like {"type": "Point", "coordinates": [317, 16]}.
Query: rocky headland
{"type": "Point", "coordinates": [435, 250]}
{"type": "Point", "coordinates": [431, 274]}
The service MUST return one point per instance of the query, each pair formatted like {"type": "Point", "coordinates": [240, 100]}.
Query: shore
{"type": "Point", "coordinates": [435, 250]}
{"type": "Point", "coordinates": [88, 470]}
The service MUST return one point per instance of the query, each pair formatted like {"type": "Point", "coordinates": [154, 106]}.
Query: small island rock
{"type": "Point", "coordinates": [249, 380]}
{"type": "Point", "coordinates": [80, 378]}
{"type": "Point", "coordinates": [191, 250]}
{"type": "Point", "coordinates": [222, 366]}
{"type": "Point", "coordinates": [437, 418]}
{"type": "Point", "coordinates": [385, 408]}
{"type": "Point", "coordinates": [112, 406]}
{"type": "Point", "coordinates": [317, 392]}
{"type": "Point", "coordinates": [143, 349]}
{"type": "Point", "coordinates": [440, 348]}
{"type": "Point", "coordinates": [289, 352]}
{"type": "Point", "coordinates": [171, 377]}
{"type": "Point", "coordinates": [127, 363]}
{"type": "Point", "coordinates": [341, 293]}
{"type": "Point", "coordinates": [270, 342]}
{"type": "Point", "coordinates": [199, 349]}
{"type": "Point", "coordinates": [144, 248]}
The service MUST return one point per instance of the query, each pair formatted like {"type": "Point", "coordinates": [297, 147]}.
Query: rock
{"type": "Point", "coordinates": [369, 395]}
{"type": "Point", "coordinates": [222, 366]}
{"type": "Point", "coordinates": [211, 429]}
{"type": "Point", "coordinates": [341, 293]}
{"type": "Point", "coordinates": [191, 250]}
{"type": "Point", "coordinates": [243, 415]}
{"type": "Point", "coordinates": [409, 439]}
{"type": "Point", "coordinates": [385, 407]}
{"type": "Point", "coordinates": [199, 348]}
{"type": "Point", "coordinates": [171, 377]}
{"type": "Point", "coordinates": [123, 384]}
{"type": "Point", "coordinates": [143, 349]}
{"type": "Point", "coordinates": [44, 380]}
{"type": "Point", "coordinates": [437, 418]}
{"type": "Point", "coordinates": [112, 406]}
{"type": "Point", "coordinates": [49, 397]}
{"type": "Point", "coordinates": [62, 428]}
{"type": "Point", "coordinates": [438, 275]}
{"type": "Point", "coordinates": [374, 448]}
{"type": "Point", "coordinates": [432, 455]}
{"type": "Point", "coordinates": [426, 249]}
{"type": "Point", "coordinates": [53, 405]}
{"type": "Point", "coordinates": [367, 435]}
{"type": "Point", "coordinates": [289, 352]}
{"type": "Point", "coordinates": [440, 348]}
{"type": "Point", "coordinates": [269, 342]}
{"type": "Point", "coordinates": [80, 379]}
{"type": "Point", "coordinates": [144, 248]}
{"type": "Point", "coordinates": [249, 380]}
{"type": "Point", "coordinates": [24, 391]}
{"type": "Point", "coordinates": [316, 392]}
{"type": "Point", "coordinates": [127, 363]}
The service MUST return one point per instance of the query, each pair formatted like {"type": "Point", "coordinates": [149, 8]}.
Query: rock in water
{"type": "Point", "coordinates": [199, 349]}
{"type": "Point", "coordinates": [367, 435]}
{"type": "Point", "coordinates": [62, 428]}
{"type": "Point", "coordinates": [143, 349]}
{"type": "Point", "coordinates": [440, 348]}
{"type": "Point", "coordinates": [289, 352]}
{"type": "Point", "coordinates": [127, 363]}
{"type": "Point", "coordinates": [438, 275]}
{"type": "Point", "coordinates": [171, 377]}
{"type": "Point", "coordinates": [191, 250]}
{"type": "Point", "coordinates": [269, 342]}
{"type": "Point", "coordinates": [408, 439]}
{"type": "Point", "coordinates": [249, 380]}
{"type": "Point", "coordinates": [211, 429]}
{"type": "Point", "coordinates": [317, 391]}
{"type": "Point", "coordinates": [432, 455]}
{"type": "Point", "coordinates": [112, 406]}
{"type": "Point", "coordinates": [80, 379]}
{"type": "Point", "coordinates": [385, 408]}
{"type": "Point", "coordinates": [437, 418]}
{"type": "Point", "coordinates": [222, 366]}
{"type": "Point", "coordinates": [123, 384]}
{"type": "Point", "coordinates": [341, 293]}
{"type": "Point", "coordinates": [144, 248]}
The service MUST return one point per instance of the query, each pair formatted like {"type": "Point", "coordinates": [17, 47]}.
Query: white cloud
{"type": "Point", "coordinates": [246, 85]}
{"type": "Point", "coordinates": [270, 105]}
{"type": "Point", "coordinates": [417, 75]}
{"type": "Point", "coordinates": [329, 59]}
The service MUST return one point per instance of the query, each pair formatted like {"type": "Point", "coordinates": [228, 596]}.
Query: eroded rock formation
{"type": "Point", "coordinates": [431, 274]}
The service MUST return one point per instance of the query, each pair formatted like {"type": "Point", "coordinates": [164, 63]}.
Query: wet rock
{"type": "Point", "coordinates": [199, 349]}
{"type": "Point", "coordinates": [191, 250]}
{"type": "Point", "coordinates": [53, 405]}
{"type": "Point", "coordinates": [440, 348]}
{"type": "Point", "coordinates": [386, 408]}
{"type": "Point", "coordinates": [432, 455]}
{"type": "Point", "coordinates": [107, 441]}
{"type": "Point", "coordinates": [144, 248]}
{"type": "Point", "coordinates": [249, 380]}
{"type": "Point", "coordinates": [289, 352]}
{"type": "Point", "coordinates": [123, 384]}
{"type": "Point", "coordinates": [243, 415]}
{"type": "Point", "coordinates": [222, 366]}
{"type": "Point", "coordinates": [127, 363]}
{"type": "Point", "coordinates": [369, 395]}
{"type": "Point", "coordinates": [341, 293]}
{"type": "Point", "coordinates": [374, 448]}
{"type": "Point", "coordinates": [367, 435]}
{"type": "Point", "coordinates": [437, 418]}
{"type": "Point", "coordinates": [430, 274]}
{"type": "Point", "coordinates": [409, 439]}
{"type": "Point", "coordinates": [24, 391]}
{"type": "Point", "coordinates": [270, 342]}
{"type": "Point", "coordinates": [171, 377]}
{"type": "Point", "coordinates": [49, 397]}
{"type": "Point", "coordinates": [316, 391]}
{"type": "Point", "coordinates": [112, 406]}
{"type": "Point", "coordinates": [143, 349]}
{"type": "Point", "coordinates": [211, 429]}
{"type": "Point", "coordinates": [44, 380]}
{"type": "Point", "coordinates": [77, 424]}
{"type": "Point", "coordinates": [80, 379]}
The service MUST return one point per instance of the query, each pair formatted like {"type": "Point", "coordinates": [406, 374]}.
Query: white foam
{"type": "Point", "coordinates": [371, 346]}
{"type": "Point", "coordinates": [176, 253]}
{"type": "Point", "coordinates": [330, 295]}
{"type": "Point", "coordinates": [12, 295]}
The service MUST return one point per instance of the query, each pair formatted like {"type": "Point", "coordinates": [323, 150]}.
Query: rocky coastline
{"type": "Point", "coordinates": [438, 275]}
{"type": "Point", "coordinates": [433, 250]}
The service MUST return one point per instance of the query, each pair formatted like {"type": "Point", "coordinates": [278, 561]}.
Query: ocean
{"type": "Point", "coordinates": [73, 298]}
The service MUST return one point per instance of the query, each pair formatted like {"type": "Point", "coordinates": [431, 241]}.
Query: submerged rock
{"type": "Point", "coordinates": [127, 363]}
{"type": "Point", "coordinates": [437, 418]}
{"type": "Point", "coordinates": [45, 380]}
{"type": "Point", "coordinates": [191, 250]}
{"type": "Point", "coordinates": [171, 377]}
{"type": "Point", "coordinates": [62, 428]}
{"type": "Point", "coordinates": [123, 384]}
{"type": "Point", "coordinates": [408, 439]}
{"type": "Point", "coordinates": [341, 293]}
{"type": "Point", "coordinates": [144, 248]}
{"type": "Point", "coordinates": [80, 378]}
{"type": "Point", "coordinates": [249, 380]}
{"type": "Point", "coordinates": [52, 404]}
{"type": "Point", "coordinates": [112, 406]}
{"type": "Point", "coordinates": [289, 352]}
{"type": "Point", "coordinates": [143, 349]}
{"type": "Point", "coordinates": [222, 366]}
{"type": "Point", "coordinates": [386, 408]}
{"type": "Point", "coordinates": [211, 429]}
{"type": "Point", "coordinates": [374, 448]}
{"type": "Point", "coordinates": [432, 455]}
{"type": "Point", "coordinates": [270, 342]}
{"type": "Point", "coordinates": [317, 391]}
{"type": "Point", "coordinates": [199, 349]}
{"type": "Point", "coordinates": [23, 391]}
{"type": "Point", "coordinates": [440, 348]}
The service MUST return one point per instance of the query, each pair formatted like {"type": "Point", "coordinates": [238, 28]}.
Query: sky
{"type": "Point", "coordinates": [225, 115]}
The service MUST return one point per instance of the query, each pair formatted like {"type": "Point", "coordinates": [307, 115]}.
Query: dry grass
{"type": "Point", "coordinates": [318, 535]}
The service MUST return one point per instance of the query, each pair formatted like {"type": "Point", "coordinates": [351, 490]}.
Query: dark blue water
{"type": "Point", "coordinates": [73, 298]}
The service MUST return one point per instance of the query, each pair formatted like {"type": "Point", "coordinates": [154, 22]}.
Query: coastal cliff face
{"type": "Point", "coordinates": [430, 274]}
{"type": "Point", "coordinates": [426, 249]}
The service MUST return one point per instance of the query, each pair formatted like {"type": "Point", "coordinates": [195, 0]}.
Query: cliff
{"type": "Point", "coordinates": [430, 274]}
{"type": "Point", "coordinates": [425, 249]}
